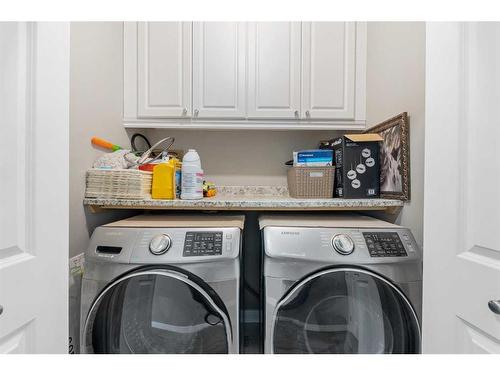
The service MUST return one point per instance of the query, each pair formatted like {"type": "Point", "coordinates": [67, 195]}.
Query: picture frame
{"type": "Point", "coordinates": [394, 157]}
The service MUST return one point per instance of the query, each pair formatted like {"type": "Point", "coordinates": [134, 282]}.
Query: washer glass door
{"type": "Point", "coordinates": [345, 310]}
{"type": "Point", "coordinates": [157, 311]}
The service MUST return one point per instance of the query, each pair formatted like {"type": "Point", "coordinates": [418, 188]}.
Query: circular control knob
{"type": "Point", "coordinates": [343, 244]}
{"type": "Point", "coordinates": [160, 244]}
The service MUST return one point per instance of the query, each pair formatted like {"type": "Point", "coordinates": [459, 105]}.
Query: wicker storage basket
{"type": "Point", "coordinates": [118, 184]}
{"type": "Point", "coordinates": [311, 182]}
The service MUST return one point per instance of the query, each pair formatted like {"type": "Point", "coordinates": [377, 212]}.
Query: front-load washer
{"type": "Point", "coordinates": [163, 284]}
{"type": "Point", "coordinates": [340, 284]}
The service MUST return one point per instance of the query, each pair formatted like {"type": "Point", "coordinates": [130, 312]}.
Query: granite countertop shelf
{"type": "Point", "coordinates": [254, 198]}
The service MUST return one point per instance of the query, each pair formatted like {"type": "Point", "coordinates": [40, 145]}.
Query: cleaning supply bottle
{"type": "Point", "coordinates": [163, 181]}
{"type": "Point", "coordinates": [192, 176]}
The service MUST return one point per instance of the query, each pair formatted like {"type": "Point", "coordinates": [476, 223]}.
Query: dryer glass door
{"type": "Point", "coordinates": [345, 310]}
{"type": "Point", "coordinates": [157, 311]}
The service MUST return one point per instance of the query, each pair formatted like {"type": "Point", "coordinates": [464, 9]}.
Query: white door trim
{"type": "Point", "coordinates": [443, 121]}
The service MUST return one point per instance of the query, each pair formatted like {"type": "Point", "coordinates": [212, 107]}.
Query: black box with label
{"type": "Point", "coordinates": [357, 173]}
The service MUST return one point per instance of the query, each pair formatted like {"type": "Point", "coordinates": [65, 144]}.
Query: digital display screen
{"type": "Point", "coordinates": [384, 244]}
{"type": "Point", "coordinates": [202, 243]}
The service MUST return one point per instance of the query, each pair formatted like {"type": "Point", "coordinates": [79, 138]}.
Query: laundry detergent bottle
{"type": "Point", "coordinates": [192, 176]}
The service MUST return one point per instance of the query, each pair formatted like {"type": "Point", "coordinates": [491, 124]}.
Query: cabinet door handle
{"type": "Point", "coordinates": [196, 113]}
{"type": "Point", "coordinates": [184, 112]}
{"type": "Point", "coordinates": [1, 309]}
{"type": "Point", "coordinates": [308, 114]}
{"type": "Point", "coordinates": [494, 306]}
{"type": "Point", "coordinates": [296, 114]}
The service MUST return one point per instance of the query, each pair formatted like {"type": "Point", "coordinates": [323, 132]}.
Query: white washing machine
{"type": "Point", "coordinates": [340, 284]}
{"type": "Point", "coordinates": [163, 284]}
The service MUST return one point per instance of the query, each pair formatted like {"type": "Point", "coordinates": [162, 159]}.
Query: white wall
{"type": "Point", "coordinates": [247, 157]}
{"type": "Point", "coordinates": [395, 84]}
{"type": "Point", "coordinates": [95, 110]}
{"type": "Point", "coordinates": [396, 58]}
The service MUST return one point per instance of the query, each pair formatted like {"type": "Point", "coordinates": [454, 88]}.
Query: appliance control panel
{"type": "Point", "coordinates": [384, 244]}
{"type": "Point", "coordinates": [365, 245]}
{"type": "Point", "coordinates": [140, 245]}
{"type": "Point", "coordinates": [202, 244]}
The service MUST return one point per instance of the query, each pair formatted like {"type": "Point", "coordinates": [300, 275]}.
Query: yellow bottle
{"type": "Point", "coordinates": [163, 181]}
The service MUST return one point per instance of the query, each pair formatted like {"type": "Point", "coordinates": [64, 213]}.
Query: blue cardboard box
{"type": "Point", "coordinates": [313, 158]}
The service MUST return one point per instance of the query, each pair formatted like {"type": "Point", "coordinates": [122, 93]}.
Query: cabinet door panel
{"type": "Point", "coordinates": [328, 70]}
{"type": "Point", "coordinates": [164, 69]}
{"type": "Point", "coordinates": [274, 70]}
{"type": "Point", "coordinates": [219, 69]}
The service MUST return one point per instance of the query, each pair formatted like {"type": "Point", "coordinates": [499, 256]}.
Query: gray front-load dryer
{"type": "Point", "coordinates": [340, 284]}
{"type": "Point", "coordinates": [163, 284]}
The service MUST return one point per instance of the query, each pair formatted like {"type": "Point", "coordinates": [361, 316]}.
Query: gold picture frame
{"type": "Point", "coordinates": [394, 157]}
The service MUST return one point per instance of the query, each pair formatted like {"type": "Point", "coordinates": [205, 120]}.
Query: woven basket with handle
{"type": "Point", "coordinates": [311, 182]}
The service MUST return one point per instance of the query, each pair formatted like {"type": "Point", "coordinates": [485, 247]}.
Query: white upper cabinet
{"type": "Point", "coordinates": [333, 61]}
{"type": "Point", "coordinates": [270, 75]}
{"type": "Point", "coordinates": [274, 70]}
{"type": "Point", "coordinates": [164, 69]}
{"type": "Point", "coordinates": [219, 71]}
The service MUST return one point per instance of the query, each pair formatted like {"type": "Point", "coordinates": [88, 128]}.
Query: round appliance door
{"type": "Point", "coordinates": [157, 311]}
{"type": "Point", "coordinates": [345, 310]}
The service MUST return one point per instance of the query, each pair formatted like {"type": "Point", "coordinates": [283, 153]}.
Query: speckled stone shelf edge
{"type": "Point", "coordinates": [250, 198]}
{"type": "Point", "coordinates": [243, 191]}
